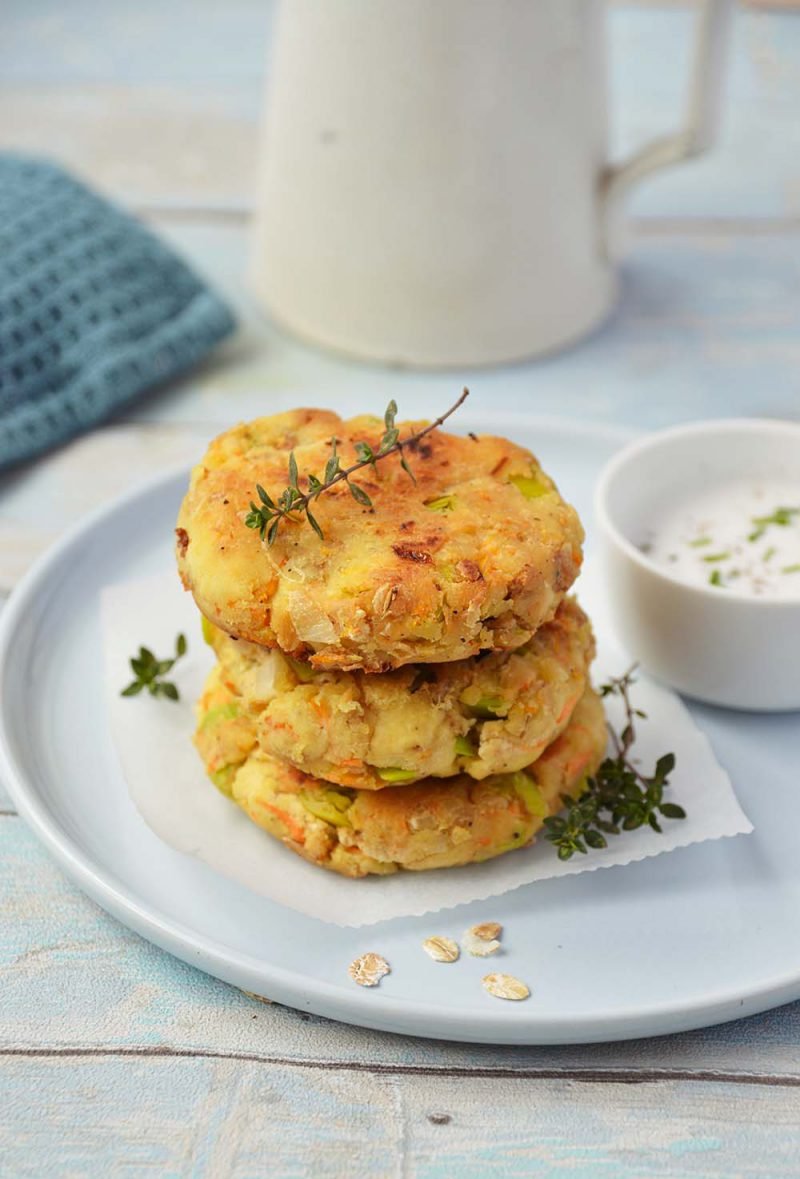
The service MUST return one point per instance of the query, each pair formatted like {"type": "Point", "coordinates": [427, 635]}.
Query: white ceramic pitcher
{"type": "Point", "coordinates": [435, 189]}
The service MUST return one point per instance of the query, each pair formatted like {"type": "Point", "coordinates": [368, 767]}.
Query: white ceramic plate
{"type": "Point", "coordinates": [698, 936]}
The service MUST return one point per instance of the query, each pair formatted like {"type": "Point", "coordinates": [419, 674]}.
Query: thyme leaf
{"type": "Point", "coordinates": [619, 797]}
{"type": "Point", "coordinates": [267, 515]}
{"type": "Point", "coordinates": [149, 672]}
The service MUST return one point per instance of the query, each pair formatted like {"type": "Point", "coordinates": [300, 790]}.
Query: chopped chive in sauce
{"type": "Point", "coordinates": [781, 516]}
{"type": "Point", "coordinates": [710, 539]}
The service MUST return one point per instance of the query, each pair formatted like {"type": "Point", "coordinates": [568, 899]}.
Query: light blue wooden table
{"type": "Point", "coordinates": [119, 1060]}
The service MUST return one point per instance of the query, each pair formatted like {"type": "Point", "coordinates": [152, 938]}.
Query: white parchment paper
{"type": "Point", "coordinates": [169, 787]}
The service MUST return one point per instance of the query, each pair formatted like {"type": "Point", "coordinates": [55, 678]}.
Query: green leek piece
{"type": "Point", "coordinates": [530, 486]}
{"type": "Point", "coordinates": [444, 503]}
{"type": "Point", "coordinates": [328, 805]}
{"type": "Point", "coordinates": [209, 630]}
{"type": "Point", "coordinates": [518, 839]}
{"type": "Point", "coordinates": [486, 708]}
{"type": "Point", "coordinates": [215, 715]}
{"type": "Point", "coordinates": [530, 794]}
{"type": "Point", "coordinates": [394, 774]}
{"type": "Point", "coordinates": [223, 779]}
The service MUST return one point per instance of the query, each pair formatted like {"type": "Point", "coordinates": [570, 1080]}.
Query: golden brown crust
{"type": "Point", "coordinates": [490, 714]}
{"type": "Point", "coordinates": [402, 582]}
{"type": "Point", "coordinates": [432, 824]}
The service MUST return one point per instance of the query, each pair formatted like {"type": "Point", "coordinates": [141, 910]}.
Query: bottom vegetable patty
{"type": "Point", "coordinates": [436, 823]}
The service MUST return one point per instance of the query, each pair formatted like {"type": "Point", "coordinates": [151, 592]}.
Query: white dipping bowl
{"type": "Point", "coordinates": [721, 646]}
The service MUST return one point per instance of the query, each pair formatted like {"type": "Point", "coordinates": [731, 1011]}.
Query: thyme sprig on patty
{"type": "Point", "coordinates": [293, 504]}
{"type": "Point", "coordinates": [619, 797]}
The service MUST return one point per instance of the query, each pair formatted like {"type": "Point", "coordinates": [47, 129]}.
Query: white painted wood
{"type": "Point", "coordinates": [79, 477]}
{"type": "Point", "coordinates": [230, 1118]}
{"type": "Point", "coordinates": [158, 104]}
{"type": "Point", "coordinates": [708, 326]}
{"type": "Point", "coordinates": [753, 171]}
{"type": "Point", "coordinates": [106, 987]}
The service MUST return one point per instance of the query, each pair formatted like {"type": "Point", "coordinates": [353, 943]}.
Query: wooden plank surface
{"type": "Point", "coordinates": [708, 324]}
{"type": "Point", "coordinates": [109, 990]}
{"type": "Point", "coordinates": [159, 104]}
{"type": "Point", "coordinates": [116, 1058]}
{"type": "Point", "coordinates": [137, 1059]}
{"type": "Point", "coordinates": [212, 1118]}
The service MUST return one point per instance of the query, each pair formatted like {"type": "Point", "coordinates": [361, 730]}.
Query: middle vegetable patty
{"type": "Point", "coordinates": [490, 714]}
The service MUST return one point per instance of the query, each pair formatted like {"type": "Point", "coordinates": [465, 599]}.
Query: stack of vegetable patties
{"type": "Point", "coordinates": [401, 681]}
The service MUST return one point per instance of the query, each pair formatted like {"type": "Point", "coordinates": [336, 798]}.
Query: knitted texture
{"type": "Point", "coordinates": [93, 309]}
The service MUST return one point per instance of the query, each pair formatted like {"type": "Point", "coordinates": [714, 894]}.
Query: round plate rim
{"type": "Point", "coordinates": [382, 1012]}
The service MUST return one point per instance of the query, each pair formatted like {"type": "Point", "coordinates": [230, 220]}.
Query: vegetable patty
{"type": "Point", "coordinates": [475, 555]}
{"type": "Point", "coordinates": [431, 824]}
{"type": "Point", "coordinates": [493, 713]}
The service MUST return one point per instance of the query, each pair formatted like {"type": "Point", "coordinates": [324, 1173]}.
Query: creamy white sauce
{"type": "Point", "coordinates": [739, 536]}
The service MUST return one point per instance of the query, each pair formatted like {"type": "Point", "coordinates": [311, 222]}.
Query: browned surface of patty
{"type": "Point", "coordinates": [475, 555]}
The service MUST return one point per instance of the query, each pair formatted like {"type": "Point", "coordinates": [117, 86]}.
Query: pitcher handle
{"type": "Point", "coordinates": [700, 127]}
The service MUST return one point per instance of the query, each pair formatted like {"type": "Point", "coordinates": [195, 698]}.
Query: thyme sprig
{"type": "Point", "coordinates": [619, 797]}
{"type": "Point", "coordinates": [292, 504]}
{"type": "Point", "coordinates": [149, 672]}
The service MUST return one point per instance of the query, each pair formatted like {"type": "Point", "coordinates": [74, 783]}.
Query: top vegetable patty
{"type": "Point", "coordinates": [474, 555]}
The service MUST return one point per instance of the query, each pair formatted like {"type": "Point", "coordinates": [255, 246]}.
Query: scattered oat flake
{"type": "Point", "coordinates": [368, 970]}
{"type": "Point", "coordinates": [441, 949]}
{"type": "Point", "coordinates": [479, 947]}
{"type": "Point", "coordinates": [505, 986]}
{"type": "Point", "coordinates": [258, 998]}
{"type": "Point", "coordinates": [488, 931]}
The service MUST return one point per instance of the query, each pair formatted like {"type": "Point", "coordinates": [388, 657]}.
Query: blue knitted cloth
{"type": "Point", "coordinates": [93, 309]}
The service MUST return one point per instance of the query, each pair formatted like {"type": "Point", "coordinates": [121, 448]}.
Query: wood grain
{"type": "Point", "coordinates": [231, 1118]}
{"type": "Point", "coordinates": [160, 105]}
{"type": "Point", "coordinates": [707, 325]}
{"type": "Point", "coordinates": [80, 477]}
{"type": "Point", "coordinates": [111, 992]}
{"type": "Point", "coordinates": [116, 1058]}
